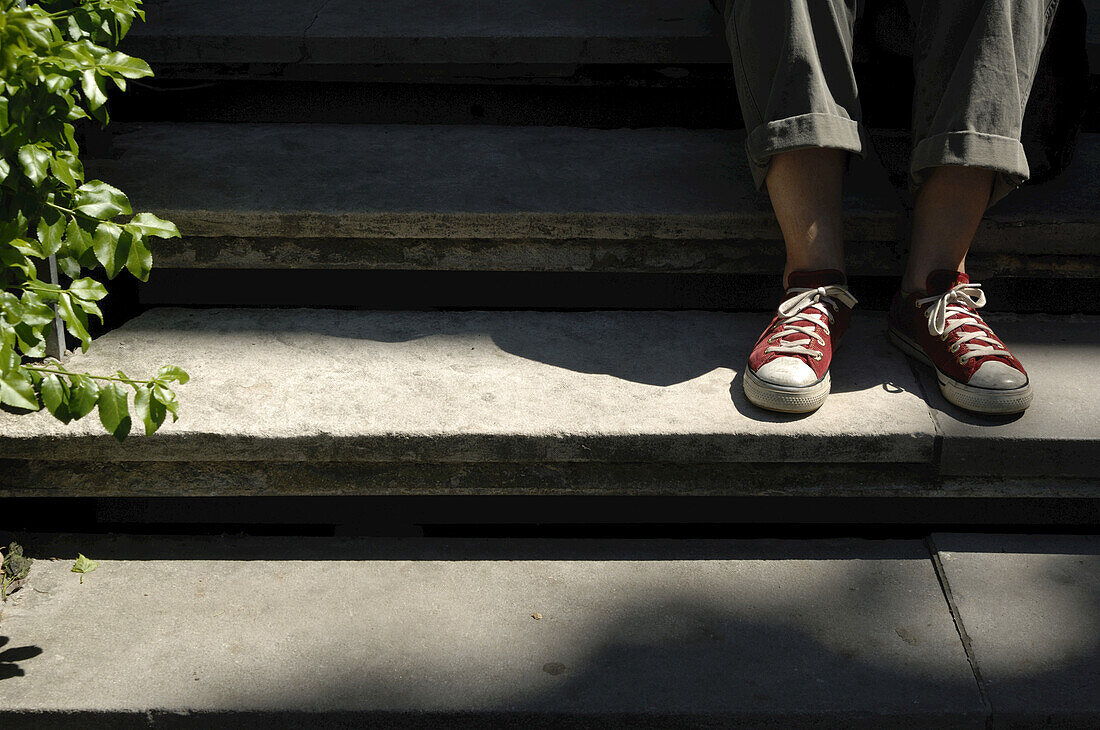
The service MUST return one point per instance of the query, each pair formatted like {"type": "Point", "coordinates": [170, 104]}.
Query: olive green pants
{"type": "Point", "coordinates": [973, 64]}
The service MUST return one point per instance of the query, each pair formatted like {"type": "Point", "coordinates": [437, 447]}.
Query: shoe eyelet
{"type": "Point", "coordinates": [954, 348]}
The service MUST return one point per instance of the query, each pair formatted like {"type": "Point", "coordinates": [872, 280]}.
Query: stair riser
{"type": "Point", "coordinates": [321, 478]}
{"type": "Point", "coordinates": [402, 289]}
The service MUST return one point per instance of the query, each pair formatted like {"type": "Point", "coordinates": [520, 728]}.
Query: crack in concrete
{"type": "Point", "coordinates": [303, 49]}
{"type": "Point", "coordinates": [960, 628]}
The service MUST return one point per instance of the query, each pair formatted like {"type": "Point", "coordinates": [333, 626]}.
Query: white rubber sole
{"type": "Point", "coordinates": [785, 399]}
{"type": "Point", "coordinates": [968, 397]}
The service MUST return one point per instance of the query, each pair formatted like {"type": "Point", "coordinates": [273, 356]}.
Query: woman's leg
{"type": "Point", "coordinates": [974, 61]}
{"type": "Point", "coordinates": [948, 209]}
{"type": "Point", "coordinates": [792, 64]}
{"type": "Point", "coordinates": [805, 188]}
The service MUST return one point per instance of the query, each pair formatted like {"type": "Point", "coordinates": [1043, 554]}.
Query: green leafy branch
{"type": "Point", "coordinates": [56, 61]}
{"type": "Point", "coordinates": [14, 569]}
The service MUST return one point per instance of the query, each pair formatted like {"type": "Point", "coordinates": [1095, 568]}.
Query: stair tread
{"type": "Point", "coordinates": [485, 386]}
{"type": "Point", "coordinates": [823, 633]}
{"type": "Point", "coordinates": [524, 198]}
{"type": "Point", "coordinates": [406, 180]}
{"type": "Point", "coordinates": [415, 31]}
{"type": "Point", "coordinates": [1062, 427]}
{"type": "Point", "coordinates": [1001, 585]}
{"type": "Point", "coordinates": [595, 391]}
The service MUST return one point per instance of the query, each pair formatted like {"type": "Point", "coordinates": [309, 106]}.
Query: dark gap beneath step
{"type": "Point", "coordinates": [553, 516]}
{"type": "Point", "coordinates": [390, 290]}
{"type": "Point", "coordinates": [612, 96]}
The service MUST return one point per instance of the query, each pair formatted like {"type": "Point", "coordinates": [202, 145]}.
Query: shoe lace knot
{"type": "Point", "coordinates": [815, 308]}
{"type": "Point", "coordinates": [955, 308]}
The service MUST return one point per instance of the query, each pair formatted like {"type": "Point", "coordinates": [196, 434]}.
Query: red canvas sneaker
{"type": "Point", "coordinates": [942, 328]}
{"type": "Point", "coordinates": [788, 369]}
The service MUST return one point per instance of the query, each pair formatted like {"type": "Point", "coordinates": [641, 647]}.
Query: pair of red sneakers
{"type": "Point", "coordinates": [788, 369]}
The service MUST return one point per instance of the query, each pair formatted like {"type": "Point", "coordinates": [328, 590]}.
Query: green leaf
{"type": "Point", "coordinates": [67, 168]}
{"type": "Point", "coordinates": [83, 394]}
{"type": "Point", "coordinates": [114, 411]}
{"type": "Point", "coordinates": [167, 399]}
{"type": "Point", "coordinates": [34, 310]}
{"type": "Point", "coordinates": [125, 66]}
{"type": "Point", "coordinates": [17, 390]}
{"type": "Point", "coordinates": [16, 566]}
{"type": "Point", "coordinates": [101, 201]}
{"type": "Point", "coordinates": [32, 340]}
{"type": "Point", "coordinates": [83, 566]}
{"type": "Point", "coordinates": [55, 396]}
{"type": "Point", "coordinates": [69, 266]}
{"type": "Point", "coordinates": [51, 235]}
{"type": "Point", "coordinates": [29, 247]}
{"type": "Point", "coordinates": [9, 359]}
{"type": "Point", "coordinates": [35, 162]}
{"type": "Point", "coordinates": [139, 260]}
{"type": "Point", "coordinates": [95, 91]}
{"type": "Point", "coordinates": [88, 288]}
{"type": "Point", "coordinates": [76, 321]}
{"type": "Point", "coordinates": [172, 373]}
{"type": "Point", "coordinates": [150, 225]}
{"type": "Point", "coordinates": [77, 239]}
{"type": "Point", "coordinates": [5, 169]}
{"type": "Point", "coordinates": [149, 410]}
{"type": "Point", "coordinates": [106, 243]}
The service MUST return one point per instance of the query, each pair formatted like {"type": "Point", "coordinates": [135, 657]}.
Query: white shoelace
{"type": "Point", "coordinates": [793, 310]}
{"type": "Point", "coordinates": [954, 309]}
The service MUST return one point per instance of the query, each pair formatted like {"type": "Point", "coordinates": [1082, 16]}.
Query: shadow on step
{"type": "Point", "coordinates": [853, 634]}
{"type": "Point", "coordinates": [660, 348]}
{"type": "Point", "coordinates": [10, 658]}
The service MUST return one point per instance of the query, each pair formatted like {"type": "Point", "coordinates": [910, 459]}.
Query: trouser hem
{"type": "Point", "coordinates": [1004, 155]}
{"type": "Point", "coordinates": [801, 132]}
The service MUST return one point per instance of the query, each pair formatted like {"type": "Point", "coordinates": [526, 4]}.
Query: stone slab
{"type": "Point", "coordinates": [484, 387]}
{"type": "Point", "coordinates": [419, 32]}
{"type": "Point", "coordinates": [462, 197]}
{"type": "Point", "coordinates": [625, 634]}
{"type": "Point", "coordinates": [1059, 216]}
{"type": "Point", "coordinates": [205, 31]}
{"type": "Point", "coordinates": [1057, 435]}
{"type": "Point", "coordinates": [1031, 606]}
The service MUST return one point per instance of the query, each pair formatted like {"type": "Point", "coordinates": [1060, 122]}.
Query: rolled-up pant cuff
{"type": "Point", "coordinates": [801, 132]}
{"type": "Point", "coordinates": [1004, 155]}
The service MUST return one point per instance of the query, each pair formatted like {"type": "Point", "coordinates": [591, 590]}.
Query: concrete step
{"type": "Point", "coordinates": [288, 36]}
{"type": "Point", "coordinates": [414, 39]}
{"type": "Point", "coordinates": [1028, 608]}
{"type": "Point", "coordinates": [535, 199]}
{"type": "Point", "coordinates": [323, 402]}
{"type": "Point", "coordinates": [232, 632]}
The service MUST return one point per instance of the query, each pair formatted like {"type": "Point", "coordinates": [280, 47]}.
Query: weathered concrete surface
{"type": "Point", "coordinates": [416, 31]}
{"type": "Point", "coordinates": [463, 197]}
{"type": "Point", "coordinates": [1060, 216]}
{"type": "Point", "coordinates": [788, 634]}
{"type": "Point", "coordinates": [534, 198]}
{"type": "Point", "coordinates": [1058, 434]}
{"type": "Point", "coordinates": [1031, 607]}
{"type": "Point", "coordinates": [205, 31]}
{"type": "Point", "coordinates": [474, 387]}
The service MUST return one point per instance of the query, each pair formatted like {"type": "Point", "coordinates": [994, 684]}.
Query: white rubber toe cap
{"type": "Point", "coordinates": [998, 376]}
{"type": "Point", "coordinates": [789, 372]}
